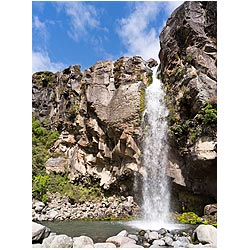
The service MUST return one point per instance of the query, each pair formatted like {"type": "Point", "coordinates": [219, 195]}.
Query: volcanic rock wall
{"type": "Point", "coordinates": [188, 63]}
{"type": "Point", "coordinates": [97, 113]}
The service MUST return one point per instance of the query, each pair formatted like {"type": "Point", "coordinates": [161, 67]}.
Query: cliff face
{"type": "Point", "coordinates": [188, 60]}
{"type": "Point", "coordinates": [97, 113]}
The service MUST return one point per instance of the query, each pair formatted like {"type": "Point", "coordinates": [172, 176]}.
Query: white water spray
{"type": "Point", "coordinates": [155, 152]}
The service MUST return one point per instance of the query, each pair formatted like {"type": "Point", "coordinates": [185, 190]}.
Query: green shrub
{"type": "Point", "coordinates": [56, 183]}
{"type": "Point", "coordinates": [210, 114]}
{"type": "Point", "coordinates": [39, 186]}
{"type": "Point", "coordinates": [189, 218]}
{"type": "Point", "coordinates": [42, 140]}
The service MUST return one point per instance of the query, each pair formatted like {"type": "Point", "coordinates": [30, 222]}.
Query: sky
{"type": "Point", "coordinates": [84, 32]}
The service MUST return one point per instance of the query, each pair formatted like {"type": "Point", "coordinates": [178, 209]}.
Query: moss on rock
{"type": "Point", "coordinates": [142, 100]}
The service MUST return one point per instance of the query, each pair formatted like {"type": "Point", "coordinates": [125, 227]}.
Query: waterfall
{"type": "Point", "coordinates": [155, 151]}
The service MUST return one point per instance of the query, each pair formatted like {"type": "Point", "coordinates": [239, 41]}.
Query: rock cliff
{"type": "Point", "coordinates": [188, 61]}
{"type": "Point", "coordinates": [97, 113]}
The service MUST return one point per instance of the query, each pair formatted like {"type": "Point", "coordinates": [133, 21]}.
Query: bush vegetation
{"type": "Point", "coordinates": [42, 184]}
{"type": "Point", "coordinates": [186, 131]}
{"type": "Point", "coordinates": [192, 218]}
{"type": "Point", "coordinates": [42, 140]}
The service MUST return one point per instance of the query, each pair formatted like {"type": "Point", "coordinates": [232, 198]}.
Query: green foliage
{"type": "Point", "coordinates": [142, 100]}
{"type": "Point", "coordinates": [189, 218]}
{"type": "Point", "coordinates": [74, 109]}
{"type": "Point", "coordinates": [210, 115]}
{"type": "Point", "coordinates": [39, 187]}
{"type": "Point", "coordinates": [44, 78]}
{"type": "Point", "coordinates": [187, 130]}
{"type": "Point", "coordinates": [192, 218]}
{"type": "Point", "coordinates": [48, 77]}
{"type": "Point", "coordinates": [56, 183]}
{"type": "Point", "coordinates": [150, 79]}
{"type": "Point", "coordinates": [42, 140]}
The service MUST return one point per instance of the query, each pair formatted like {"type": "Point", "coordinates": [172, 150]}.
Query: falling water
{"type": "Point", "coordinates": [155, 186]}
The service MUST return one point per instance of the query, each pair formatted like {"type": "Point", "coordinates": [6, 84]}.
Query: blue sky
{"type": "Point", "coordinates": [83, 32]}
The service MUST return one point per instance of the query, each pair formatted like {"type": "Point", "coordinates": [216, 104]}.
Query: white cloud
{"type": "Point", "coordinates": [41, 62]}
{"type": "Point", "coordinates": [82, 17]}
{"type": "Point", "coordinates": [134, 32]}
{"type": "Point", "coordinates": [41, 31]}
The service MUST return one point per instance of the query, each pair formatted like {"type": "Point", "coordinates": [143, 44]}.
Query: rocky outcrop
{"type": "Point", "coordinates": [188, 61]}
{"type": "Point", "coordinates": [97, 113]}
{"type": "Point", "coordinates": [60, 208]}
{"type": "Point", "coordinates": [39, 232]}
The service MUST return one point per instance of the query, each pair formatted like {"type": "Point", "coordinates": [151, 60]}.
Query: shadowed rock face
{"type": "Point", "coordinates": [97, 113]}
{"type": "Point", "coordinates": [188, 62]}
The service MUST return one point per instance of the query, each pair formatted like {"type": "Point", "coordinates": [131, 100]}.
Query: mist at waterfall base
{"type": "Point", "coordinates": [155, 191]}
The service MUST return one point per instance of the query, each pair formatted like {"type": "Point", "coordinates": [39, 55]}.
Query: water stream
{"type": "Point", "coordinates": [155, 152]}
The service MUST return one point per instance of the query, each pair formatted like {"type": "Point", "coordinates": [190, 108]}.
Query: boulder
{"type": "Point", "coordinates": [39, 232]}
{"type": "Point", "coordinates": [123, 233]}
{"type": "Point", "coordinates": [47, 241]}
{"type": "Point", "coordinates": [130, 245]}
{"type": "Point", "coordinates": [52, 214]}
{"type": "Point", "coordinates": [150, 236]}
{"type": "Point", "coordinates": [104, 245]}
{"type": "Point", "coordinates": [120, 240]}
{"type": "Point", "coordinates": [206, 234]}
{"type": "Point", "coordinates": [159, 242]}
{"type": "Point", "coordinates": [57, 165]}
{"type": "Point", "coordinates": [82, 242]}
{"type": "Point", "coordinates": [168, 240]}
{"type": "Point", "coordinates": [184, 240]}
{"type": "Point", "coordinates": [133, 237]}
{"type": "Point", "coordinates": [177, 244]}
{"type": "Point", "coordinates": [210, 209]}
{"type": "Point", "coordinates": [58, 241]}
{"type": "Point", "coordinates": [38, 206]}
{"type": "Point", "coordinates": [162, 231]}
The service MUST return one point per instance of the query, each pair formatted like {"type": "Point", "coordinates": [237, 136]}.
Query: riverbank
{"type": "Point", "coordinates": [60, 208]}
{"type": "Point", "coordinates": [199, 236]}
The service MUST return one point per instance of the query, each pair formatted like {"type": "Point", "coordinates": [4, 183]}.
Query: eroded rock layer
{"type": "Point", "coordinates": [97, 113]}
